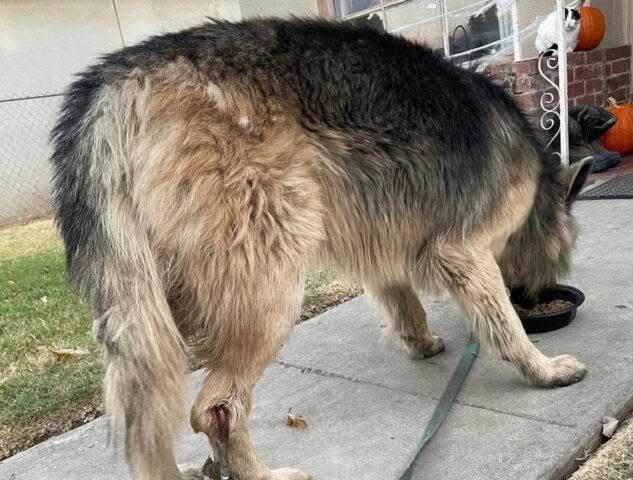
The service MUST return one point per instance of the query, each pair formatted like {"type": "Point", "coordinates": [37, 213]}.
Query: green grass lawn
{"type": "Point", "coordinates": [39, 312]}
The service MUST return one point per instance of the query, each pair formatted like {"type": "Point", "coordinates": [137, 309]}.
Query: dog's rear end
{"type": "Point", "coordinates": [183, 216]}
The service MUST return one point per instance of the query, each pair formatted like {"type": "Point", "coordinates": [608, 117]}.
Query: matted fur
{"type": "Point", "coordinates": [199, 176]}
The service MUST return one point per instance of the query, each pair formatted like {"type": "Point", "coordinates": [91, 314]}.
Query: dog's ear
{"type": "Point", "coordinates": [574, 177]}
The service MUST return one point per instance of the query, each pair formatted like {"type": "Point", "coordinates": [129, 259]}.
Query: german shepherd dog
{"type": "Point", "coordinates": [200, 176]}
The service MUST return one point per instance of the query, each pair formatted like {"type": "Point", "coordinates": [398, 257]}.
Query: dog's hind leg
{"type": "Point", "coordinates": [475, 281]}
{"type": "Point", "coordinates": [253, 324]}
{"type": "Point", "coordinates": [407, 319]}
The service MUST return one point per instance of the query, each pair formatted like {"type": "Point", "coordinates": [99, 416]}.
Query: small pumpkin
{"type": "Point", "coordinates": [592, 29]}
{"type": "Point", "coordinates": [619, 138]}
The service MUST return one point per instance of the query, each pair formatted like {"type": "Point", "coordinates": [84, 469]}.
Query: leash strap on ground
{"type": "Point", "coordinates": [446, 401]}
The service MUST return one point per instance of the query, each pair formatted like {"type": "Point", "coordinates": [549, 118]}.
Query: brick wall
{"type": "Point", "coordinates": [592, 78]}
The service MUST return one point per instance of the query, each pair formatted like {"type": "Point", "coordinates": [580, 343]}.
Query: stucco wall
{"type": "Point", "coordinates": [613, 12]}
{"type": "Point", "coordinates": [280, 8]}
{"type": "Point", "coordinates": [42, 44]}
{"type": "Point", "coordinates": [139, 19]}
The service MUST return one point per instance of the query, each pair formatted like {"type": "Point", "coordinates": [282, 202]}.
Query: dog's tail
{"type": "Point", "coordinates": [109, 258]}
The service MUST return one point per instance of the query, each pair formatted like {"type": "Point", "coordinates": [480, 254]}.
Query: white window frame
{"type": "Point", "coordinates": [328, 9]}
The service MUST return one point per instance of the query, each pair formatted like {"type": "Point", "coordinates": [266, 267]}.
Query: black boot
{"type": "Point", "coordinates": [591, 121]}
{"type": "Point", "coordinates": [578, 148]}
{"type": "Point", "coordinates": [606, 120]}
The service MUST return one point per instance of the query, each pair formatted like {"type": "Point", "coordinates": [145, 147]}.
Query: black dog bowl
{"type": "Point", "coordinates": [548, 321]}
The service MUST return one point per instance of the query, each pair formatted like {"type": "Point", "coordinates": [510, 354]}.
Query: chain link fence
{"type": "Point", "coordinates": [25, 175]}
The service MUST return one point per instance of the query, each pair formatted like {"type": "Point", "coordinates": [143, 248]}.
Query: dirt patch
{"type": "Point", "coordinates": [543, 308]}
{"type": "Point", "coordinates": [330, 296]}
{"type": "Point", "coordinates": [16, 439]}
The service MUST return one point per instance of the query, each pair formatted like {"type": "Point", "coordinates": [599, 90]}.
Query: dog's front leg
{"type": "Point", "coordinates": [474, 278]}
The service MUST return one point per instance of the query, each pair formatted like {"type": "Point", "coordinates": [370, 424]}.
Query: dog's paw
{"type": "Point", "coordinates": [290, 474]}
{"type": "Point", "coordinates": [418, 349]}
{"type": "Point", "coordinates": [567, 370]}
{"type": "Point", "coordinates": [189, 472]}
{"type": "Point", "coordinates": [562, 371]}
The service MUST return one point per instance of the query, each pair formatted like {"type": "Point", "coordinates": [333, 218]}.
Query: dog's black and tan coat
{"type": "Point", "coordinates": [200, 175]}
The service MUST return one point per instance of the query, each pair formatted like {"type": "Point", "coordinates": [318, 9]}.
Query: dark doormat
{"type": "Point", "coordinates": [616, 187]}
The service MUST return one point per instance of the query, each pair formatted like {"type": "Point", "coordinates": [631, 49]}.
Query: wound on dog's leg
{"type": "Point", "coordinates": [221, 411]}
{"type": "Point", "coordinates": [222, 416]}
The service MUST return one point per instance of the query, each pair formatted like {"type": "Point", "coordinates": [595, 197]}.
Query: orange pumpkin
{"type": "Point", "coordinates": [592, 27]}
{"type": "Point", "coordinates": [619, 138]}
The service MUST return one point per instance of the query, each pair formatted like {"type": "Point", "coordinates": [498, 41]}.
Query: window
{"type": "Point", "coordinates": [348, 9]}
{"type": "Point", "coordinates": [378, 14]}
{"type": "Point", "coordinates": [344, 8]}
{"type": "Point", "coordinates": [451, 27]}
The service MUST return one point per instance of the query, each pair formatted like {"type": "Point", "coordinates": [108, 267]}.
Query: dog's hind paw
{"type": "Point", "coordinates": [188, 472]}
{"type": "Point", "coordinates": [418, 349]}
{"type": "Point", "coordinates": [290, 474]}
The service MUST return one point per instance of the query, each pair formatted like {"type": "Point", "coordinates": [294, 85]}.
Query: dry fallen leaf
{"type": "Point", "coordinates": [64, 353]}
{"type": "Point", "coordinates": [294, 421]}
{"type": "Point", "coordinates": [609, 425]}
{"type": "Point", "coordinates": [11, 282]}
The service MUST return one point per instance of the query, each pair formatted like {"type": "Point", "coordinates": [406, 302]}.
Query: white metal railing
{"type": "Point", "coordinates": [562, 84]}
{"type": "Point", "coordinates": [518, 52]}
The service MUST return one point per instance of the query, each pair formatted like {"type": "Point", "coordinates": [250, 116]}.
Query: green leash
{"type": "Point", "coordinates": [439, 415]}
{"type": "Point", "coordinates": [446, 401]}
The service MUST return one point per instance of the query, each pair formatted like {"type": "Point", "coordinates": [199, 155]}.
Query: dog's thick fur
{"type": "Point", "coordinates": [200, 175]}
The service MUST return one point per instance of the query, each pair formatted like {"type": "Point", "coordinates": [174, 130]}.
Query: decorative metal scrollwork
{"type": "Point", "coordinates": [550, 103]}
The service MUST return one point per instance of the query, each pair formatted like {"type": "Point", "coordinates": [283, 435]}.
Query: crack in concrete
{"type": "Point", "coordinates": [515, 414]}
{"type": "Point", "coordinates": [326, 374]}
{"type": "Point", "coordinates": [322, 373]}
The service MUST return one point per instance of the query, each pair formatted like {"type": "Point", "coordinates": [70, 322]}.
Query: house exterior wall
{"type": "Point", "coordinates": [615, 33]}
{"type": "Point", "coordinates": [140, 19]}
{"type": "Point", "coordinates": [42, 44]}
{"type": "Point", "coordinates": [278, 8]}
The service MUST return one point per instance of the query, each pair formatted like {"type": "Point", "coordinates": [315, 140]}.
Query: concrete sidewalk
{"type": "Point", "coordinates": [367, 404]}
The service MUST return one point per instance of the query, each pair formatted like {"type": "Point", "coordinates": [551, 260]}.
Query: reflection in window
{"type": "Point", "coordinates": [343, 8]}
{"type": "Point", "coordinates": [373, 20]}
{"type": "Point", "coordinates": [418, 20]}
{"type": "Point", "coordinates": [475, 32]}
